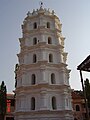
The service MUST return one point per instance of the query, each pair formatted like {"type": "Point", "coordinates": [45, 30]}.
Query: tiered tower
{"type": "Point", "coordinates": [42, 78]}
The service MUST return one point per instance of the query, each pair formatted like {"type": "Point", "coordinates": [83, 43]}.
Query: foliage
{"type": "Point", "coordinates": [16, 68]}
{"type": "Point", "coordinates": [87, 90]}
{"type": "Point", "coordinates": [3, 100]}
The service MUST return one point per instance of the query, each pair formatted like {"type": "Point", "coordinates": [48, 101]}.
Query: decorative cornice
{"type": "Point", "coordinates": [40, 46]}
{"type": "Point", "coordinates": [44, 64]}
{"type": "Point", "coordinates": [42, 88]}
{"type": "Point", "coordinates": [41, 30]}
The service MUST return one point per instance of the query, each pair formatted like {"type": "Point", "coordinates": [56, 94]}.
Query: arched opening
{"type": "Point", "coordinates": [54, 103]}
{"type": "Point", "coordinates": [34, 58]}
{"type": "Point", "coordinates": [32, 103]}
{"type": "Point", "coordinates": [9, 118]}
{"type": "Point", "coordinates": [53, 78]}
{"type": "Point", "coordinates": [48, 24]}
{"type": "Point", "coordinates": [77, 108]}
{"type": "Point", "coordinates": [34, 41]}
{"type": "Point", "coordinates": [75, 119]}
{"type": "Point", "coordinates": [33, 79]}
{"type": "Point", "coordinates": [35, 25]}
{"type": "Point", "coordinates": [49, 40]}
{"type": "Point", "coordinates": [50, 58]}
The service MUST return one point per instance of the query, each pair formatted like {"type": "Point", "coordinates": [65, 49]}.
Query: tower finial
{"type": "Point", "coordinates": [41, 4]}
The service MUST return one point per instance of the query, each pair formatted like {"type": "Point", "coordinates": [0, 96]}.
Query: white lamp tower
{"type": "Point", "coordinates": [42, 77]}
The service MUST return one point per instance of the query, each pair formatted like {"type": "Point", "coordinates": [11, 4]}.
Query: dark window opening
{"type": "Point", "coordinates": [34, 58]}
{"type": "Point", "coordinates": [33, 79]}
{"type": "Point", "coordinates": [49, 40]}
{"type": "Point", "coordinates": [32, 103]}
{"type": "Point", "coordinates": [50, 58]}
{"type": "Point", "coordinates": [54, 103]}
{"type": "Point", "coordinates": [35, 25]}
{"type": "Point", "coordinates": [52, 78]}
{"type": "Point", "coordinates": [48, 24]}
{"type": "Point", "coordinates": [34, 41]}
{"type": "Point", "coordinates": [77, 108]}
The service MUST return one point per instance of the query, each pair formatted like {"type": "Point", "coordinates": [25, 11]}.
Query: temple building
{"type": "Point", "coordinates": [42, 76]}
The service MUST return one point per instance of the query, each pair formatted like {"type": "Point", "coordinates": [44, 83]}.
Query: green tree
{"type": "Point", "coordinates": [87, 90]}
{"type": "Point", "coordinates": [3, 100]}
{"type": "Point", "coordinates": [16, 69]}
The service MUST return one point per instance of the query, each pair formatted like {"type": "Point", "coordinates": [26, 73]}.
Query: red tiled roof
{"type": "Point", "coordinates": [76, 95]}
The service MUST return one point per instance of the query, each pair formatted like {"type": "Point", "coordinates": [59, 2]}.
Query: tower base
{"type": "Point", "coordinates": [45, 115]}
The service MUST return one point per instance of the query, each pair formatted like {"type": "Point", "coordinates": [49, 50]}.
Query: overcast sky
{"type": "Point", "coordinates": [75, 18]}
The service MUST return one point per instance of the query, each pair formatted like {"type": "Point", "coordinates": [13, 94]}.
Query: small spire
{"type": "Point", "coordinates": [28, 13]}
